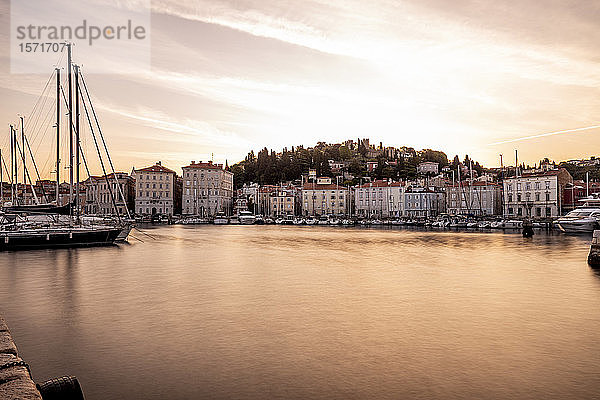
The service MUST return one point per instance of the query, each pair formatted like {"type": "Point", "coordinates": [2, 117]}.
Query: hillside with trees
{"type": "Point", "coordinates": [268, 167]}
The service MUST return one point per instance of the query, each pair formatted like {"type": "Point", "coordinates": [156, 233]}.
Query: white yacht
{"type": "Point", "coordinates": [584, 218]}
{"type": "Point", "coordinates": [513, 224]}
{"type": "Point", "coordinates": [323, 220]}
{"type": "Point", "coordinates": [246, 218]}
{"type": "Point", "coordinates": [220, 219]}
{"type": "Point", "coordinates": [311, 221]}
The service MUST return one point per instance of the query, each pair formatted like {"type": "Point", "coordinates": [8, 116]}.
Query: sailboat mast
{"type": "Point", "coordinates": [69, 69]}
{"type": "Point", "coordinates": [459, 189]}
{"type": "Point", "coordinates": [77, 140]}
{"type": "Point", "coordinates": [471, 185]}
{"type": "Point", "coordinates": [1, 182]}
{"type": "Point", "coordinates": [57, 134]}
{"type": "Point", "coordinates": [23, 158]}
{"type": "Point", "coordinates": [12, 167]}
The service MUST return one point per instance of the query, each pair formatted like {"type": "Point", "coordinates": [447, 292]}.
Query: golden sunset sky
{"type": "Point", "coordinates": [472, 77]}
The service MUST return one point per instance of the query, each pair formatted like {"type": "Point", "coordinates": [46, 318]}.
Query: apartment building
{"type": "Point", "coordinates": [379, 199]}
{"type": "Point", "coordinates": [207, 189]}
{"type": "Point", "coordinates": [479, 198]}
{"type": "Point", "coordinates": [538, 195]}
{"type": "Point", "coordinates": [282, 203]}
{"type": "Point", "coordinates": [325, 199]}
{"type": "Point", "coordinates": [155, 187]}
{"type": "Point", "coordinates": [102, 194]}
{"type": "Point", "coordinates": [424, 202]}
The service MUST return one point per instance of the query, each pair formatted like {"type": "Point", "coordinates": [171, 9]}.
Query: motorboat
{"type": "Point", "coordinates": [311, 221]}
{"type": "Point", "coordinates": [513, 224]}
{"type": "Point", "coordinates": [497, 224]}
{"type": "Point", "coordinates": [247, 218]}
{"type": "Point", "coordinates": [583, 219]}
{"type": "Point", "coordinates": [220, 219]}
{"type": "Point", "coordinates": [323, 220]}
{"type": "Point", "coordinates": [484, 225]}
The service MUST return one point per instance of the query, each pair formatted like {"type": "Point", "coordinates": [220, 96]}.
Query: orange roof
{"type": "Point", "coordinates": [314, 186]}
{"type": "Point", "coordinates": [476, 183]}
{"type": "Point", "coordinates": [156, 168]}
{"type": "Point", "coordinates": [381, 184]}
{"type": "Point", "coordinates": [208, 165]}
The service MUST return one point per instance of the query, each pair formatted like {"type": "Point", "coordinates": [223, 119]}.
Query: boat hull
{"type": "Point", "coordinates": [577, 226]}
{"type": "Point", "coordinates": [47, 239]}
{"type": "Point", "coordinates": [124, 233]}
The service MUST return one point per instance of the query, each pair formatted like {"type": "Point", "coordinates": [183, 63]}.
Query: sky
{"type": "Point", "coordinates": [473, 77]}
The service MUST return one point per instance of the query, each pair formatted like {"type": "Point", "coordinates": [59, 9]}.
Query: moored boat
{"type": "Point", "coordinates": [220, 219]}
{"type": "Point", "coordinates": [246, 218]}
{"type": "Point", "coordinates": [583, 219]}
{"type": "Point", "coordinates": [59, 237]}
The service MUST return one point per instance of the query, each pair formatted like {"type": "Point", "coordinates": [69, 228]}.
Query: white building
{"type": "Point", "coordinates": [102, 194]}
{"type": "Point", "coordinates": [428, 167]}
{"type": "Point", "coordinates": [325, 199]}
{"type": "Point", "coordinates": [379, 199]}
{"type": "Point", "coordinates": [154, 190]}
{"type": "Point", "coordinates": [282, 203]}
{"type": "Point", "coordinates": [424, 202]}
{"type": "Point", "coordinates": [535, 195]}
{"type": "Point", "coordinates": [207, 189]}
{"type": "Point", "coordinates": [480, 198]}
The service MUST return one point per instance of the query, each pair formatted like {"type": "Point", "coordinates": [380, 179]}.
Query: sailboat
{"type": "Point", "coordinates": [50, 225]}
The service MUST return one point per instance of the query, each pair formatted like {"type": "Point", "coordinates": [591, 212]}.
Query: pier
{"type": "Point", "coordinates": [15, 379]}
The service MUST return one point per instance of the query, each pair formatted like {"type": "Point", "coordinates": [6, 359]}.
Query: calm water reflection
{"type": "Point", "coordinates": [243, 312]}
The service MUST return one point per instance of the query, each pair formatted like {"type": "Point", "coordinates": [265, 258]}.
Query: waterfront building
{"type": "Point", "coordinates": [250, 192]}
{"type": "Point", "coordinates": [325, 199]}
{"type": "Point", "coordinates": [424, 202]}
{"type": "Point", "coordinates": [207, 189]}
{"type": "Point", "coordinates": [281, 203]}
{"type": "Point", "coordinates": [101, 190]}
{"type": "Point", "coordinates": [240, 204]}
{"type": "Point", "coordinates": [379, 199]}
{"type": "Point", "coordinates": [155, 190]}
{"type": "Point", "coordinates": [536, 195]}
{"type": "Point", "coordinates": [263, 205]}
{"type": "Point", "coordinates": [478, 198]}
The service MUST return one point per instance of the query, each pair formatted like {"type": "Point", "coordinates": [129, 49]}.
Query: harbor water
{"type": "Point", "coordinates": [300, 312]}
